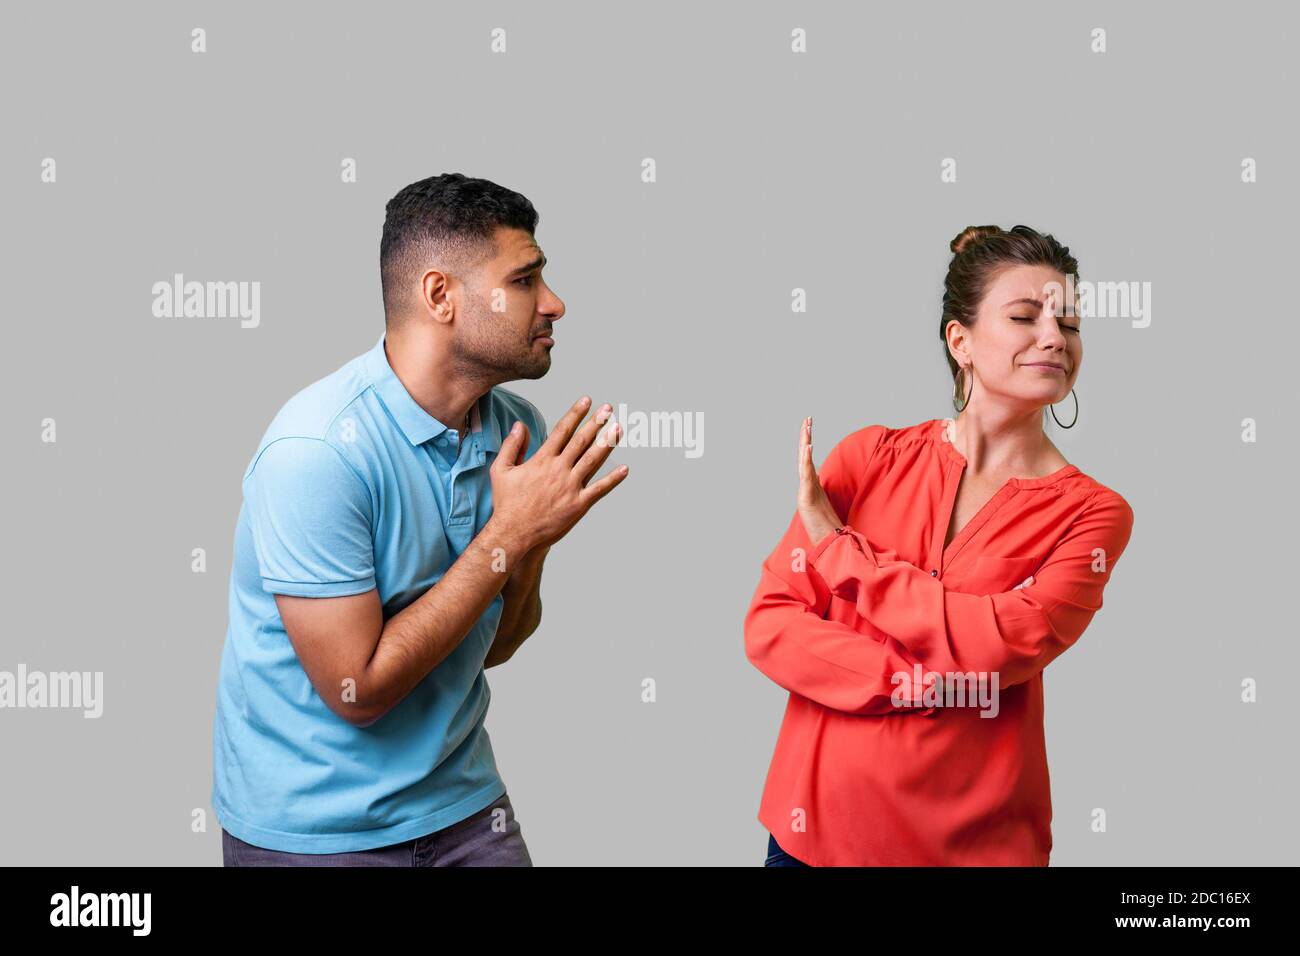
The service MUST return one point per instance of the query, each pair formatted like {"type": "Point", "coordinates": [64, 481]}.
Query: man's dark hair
{"type": "Point", "coordinates": [448, 219]}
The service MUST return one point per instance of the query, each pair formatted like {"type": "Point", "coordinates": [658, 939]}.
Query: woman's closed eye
{"type": "Point", "coordinates": [1028, 318]}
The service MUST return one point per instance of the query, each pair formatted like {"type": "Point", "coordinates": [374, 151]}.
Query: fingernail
{"type": "Point", "coordinates": [514, 429]}
{"type": "Point", "coordinates": [585, 400]}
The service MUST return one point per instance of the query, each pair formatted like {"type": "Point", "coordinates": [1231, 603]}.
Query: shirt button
{"type": "Point", "coordinates": [934, 573]}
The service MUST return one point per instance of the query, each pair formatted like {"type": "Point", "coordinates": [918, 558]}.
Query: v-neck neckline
{"type": "Point", "coordinates": [957, 467]}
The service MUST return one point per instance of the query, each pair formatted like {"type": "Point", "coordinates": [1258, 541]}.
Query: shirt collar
{"type": "Point", "coordinates": [418, 425]}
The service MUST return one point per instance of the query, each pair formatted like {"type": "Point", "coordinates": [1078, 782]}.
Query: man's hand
{"type": "Point", "coordinates": [816, 510]}
{"type": "Point", "coordinates": [537, 502]}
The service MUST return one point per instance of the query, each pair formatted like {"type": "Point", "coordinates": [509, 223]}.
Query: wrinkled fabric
{"type": "Point", "coordinates": [886, 754]}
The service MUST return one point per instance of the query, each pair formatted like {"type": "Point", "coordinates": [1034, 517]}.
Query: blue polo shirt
{"type": "Point", "coordinates": [354, 486]}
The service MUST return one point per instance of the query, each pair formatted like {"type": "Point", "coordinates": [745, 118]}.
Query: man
{"type": "Point", "coordinates": [396, 516]}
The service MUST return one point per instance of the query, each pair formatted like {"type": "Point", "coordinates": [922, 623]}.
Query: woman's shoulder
{"type": "Point", "coordinates": [1098, 495]}
{"type": "Point", "coordinates": [871, 438]}
{"type": "Point", "coordinates": [875, 446]}
{"type": "Point", "coordinates": [1090, 497]}
{"type": "Point", "coordinates": [934, 433]}
{"type": "Point", "coordinates": [880, 433]}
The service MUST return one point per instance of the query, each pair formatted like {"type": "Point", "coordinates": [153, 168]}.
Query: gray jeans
{"type": "Point", "coordinates": [474, 841]}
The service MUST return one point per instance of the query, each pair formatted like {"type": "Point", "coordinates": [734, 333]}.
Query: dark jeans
{"type": "Point", "coordinates": [777, 856]}
{"type": "Point", "coordinates": [478, 840]}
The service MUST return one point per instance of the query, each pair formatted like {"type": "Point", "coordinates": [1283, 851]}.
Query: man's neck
{"type": "Point", "coordinates": [426, 373]}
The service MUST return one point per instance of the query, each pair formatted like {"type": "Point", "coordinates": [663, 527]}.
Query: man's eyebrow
{"type": "Point", "coordinates": [529, 267]}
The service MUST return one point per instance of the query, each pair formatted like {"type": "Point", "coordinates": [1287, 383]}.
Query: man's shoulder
{"type": "Point", "coordinates": [509, 406]}
{"type": "Point", "coordinates": [318, 413]}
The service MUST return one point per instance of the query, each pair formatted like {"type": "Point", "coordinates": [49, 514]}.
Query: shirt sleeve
{"type": "Point", "coordinates": [1013, 634]}
{"type": "Point", "coordinates": [310, 516]}
{"type": "Point", "coordinates": [789, 638]}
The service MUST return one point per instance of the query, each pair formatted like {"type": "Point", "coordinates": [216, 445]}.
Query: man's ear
{"type": "Point", "coordinates": [438, 295]}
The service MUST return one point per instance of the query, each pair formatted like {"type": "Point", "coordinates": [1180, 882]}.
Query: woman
{"type": "Point", "coordinates": [928, 576]}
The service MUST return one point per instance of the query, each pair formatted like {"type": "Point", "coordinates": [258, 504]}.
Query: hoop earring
{"type": "Point", "coordinates": [1076, 411]}
{"type": "Point", "coordinates": [960, 373]}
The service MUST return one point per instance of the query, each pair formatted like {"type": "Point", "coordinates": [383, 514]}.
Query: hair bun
{"type": "Point", "coordinates": [971, 235]}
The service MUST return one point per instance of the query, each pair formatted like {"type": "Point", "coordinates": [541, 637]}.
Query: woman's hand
{"type": "Point", "coordinates": [816, 510]}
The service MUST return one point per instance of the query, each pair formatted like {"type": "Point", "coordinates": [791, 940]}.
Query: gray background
{"type": "Point", "coordinates": [776, 171]}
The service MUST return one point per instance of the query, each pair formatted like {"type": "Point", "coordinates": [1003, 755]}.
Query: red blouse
{"type": "Point", "coordinates": [874, 765]}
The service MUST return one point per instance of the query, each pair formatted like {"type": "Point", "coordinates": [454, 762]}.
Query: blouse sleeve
{"type": "Point", "coordinates": [1015, 633]}
{"type": "Point", "coordinates": [788, 637]}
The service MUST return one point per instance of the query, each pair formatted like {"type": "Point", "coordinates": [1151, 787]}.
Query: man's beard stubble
{"type": "Point", "coordinates": [487, 347]}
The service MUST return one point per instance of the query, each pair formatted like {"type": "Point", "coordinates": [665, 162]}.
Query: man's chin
{"type": "Point", "coordinates": [534, 369]}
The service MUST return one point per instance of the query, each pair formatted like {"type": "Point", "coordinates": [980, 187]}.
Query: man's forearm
{"type": "Point", "coordinates": [416, 640]}
{"type": "Point", "coordinates": [522, 610]}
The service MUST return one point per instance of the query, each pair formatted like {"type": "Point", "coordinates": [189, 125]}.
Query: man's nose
{"type": "Point", "coordinates": [551, 304]}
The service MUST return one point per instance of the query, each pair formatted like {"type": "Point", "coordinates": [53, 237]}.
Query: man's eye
{"type": "Point", "coordinates": [526, 280]}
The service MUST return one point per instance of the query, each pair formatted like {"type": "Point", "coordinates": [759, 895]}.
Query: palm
{"type": "Point", "coordinates": [818, 514]}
